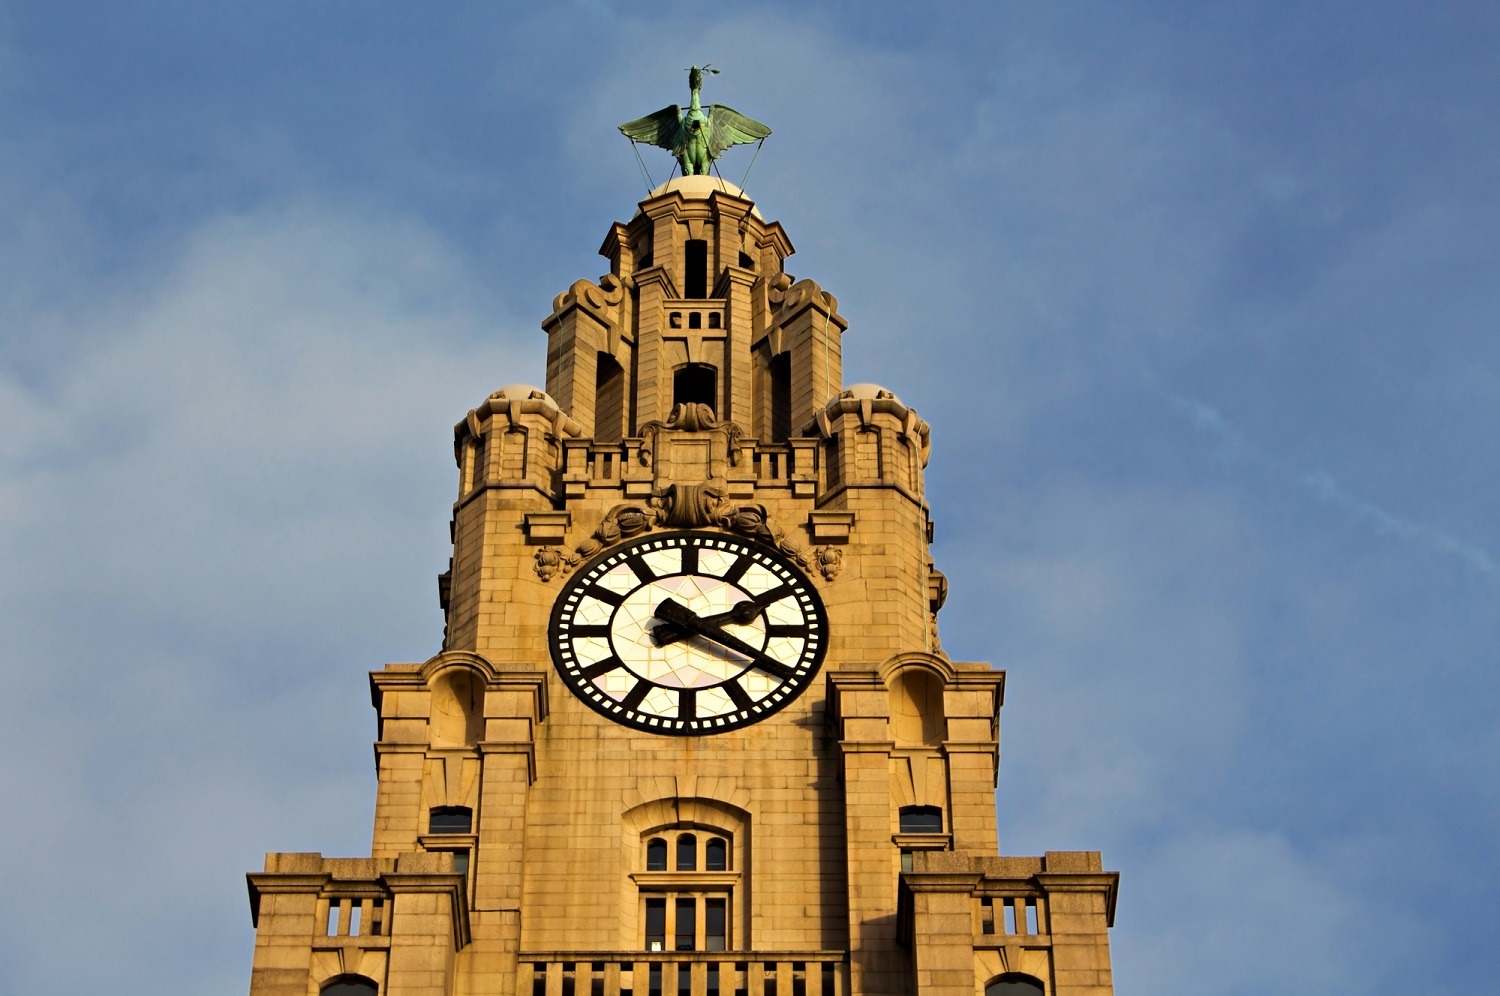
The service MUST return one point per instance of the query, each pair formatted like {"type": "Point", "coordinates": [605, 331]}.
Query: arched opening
{"type": "Point", "coordinates": [716, 855]}
{"type": "Point", "coordinates": [695, 269]}
{"type": "Point", "coordinates": [687, 853]}
{"type": "Point", "coordinates": [349, 985]}
{"type": "Point", "coordinates": [1014, 984]}
{"type": "Point", "coordinates": [609, 400]}
{"type": "Point", "coordinates": [695, 319]}
{"type": "Point", "coordinates": [457, 709]}
{"type": "Point", "coordinates": [696, 383]}
{"type": "Point", "coordinates": [656, 855]}
{"type": "Point", "coordinates": [917, 707]}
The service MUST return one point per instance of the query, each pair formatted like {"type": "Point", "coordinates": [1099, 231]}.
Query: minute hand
{"type": "Point", "coordinates": [679, 615]}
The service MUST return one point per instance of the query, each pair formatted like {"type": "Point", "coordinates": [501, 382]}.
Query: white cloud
{"type": "Point", "coordinates": [1234, 448]}
{"type": "Point", "coordinates": [226, 506]}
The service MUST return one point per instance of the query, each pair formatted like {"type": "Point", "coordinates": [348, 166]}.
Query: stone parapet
{"type": "Point", "coordinates": [397, 921]}
{"type": "Point", "coordinates": [971, 918]}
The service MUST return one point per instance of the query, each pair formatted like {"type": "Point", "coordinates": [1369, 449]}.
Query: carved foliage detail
{"type": "Point", "coordinates": [679, 506]}
{"type": "Point", "coordinates": [829, 561]}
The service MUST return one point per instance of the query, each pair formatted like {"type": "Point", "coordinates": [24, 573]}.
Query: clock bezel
{"type": "Point", "coordinates": [806, 669]}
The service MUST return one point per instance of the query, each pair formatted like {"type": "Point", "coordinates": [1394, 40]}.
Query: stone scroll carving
{"type": "Point", "coordinates": [690, 417]}
{"type": "Point", "coordinates": [601, 299]}
{"type": "Point", "coordinates": [787, 298]}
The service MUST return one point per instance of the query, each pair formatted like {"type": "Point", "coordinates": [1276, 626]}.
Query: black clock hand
{"type": "Point", "coordinates": [741, 614]}
{"type": "Point", "coordinates": [679, 615]}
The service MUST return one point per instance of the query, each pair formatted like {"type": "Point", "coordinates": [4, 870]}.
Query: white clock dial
{"type": "Point", "coordinates": [688, 633]}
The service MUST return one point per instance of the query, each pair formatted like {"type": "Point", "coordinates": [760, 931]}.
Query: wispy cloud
{"type": "Point", "coordinates": [1233, 447]}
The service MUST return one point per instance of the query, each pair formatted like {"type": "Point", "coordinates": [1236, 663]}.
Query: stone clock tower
{"type": "Point", "coordinates": [691, 732]}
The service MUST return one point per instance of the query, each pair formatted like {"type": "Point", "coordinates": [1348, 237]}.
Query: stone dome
{"type": "Point", "coordinates": [521, 392]}
{"type": "Point", "coordinates": [868, 392]}
{"type": "Point", "coordinates": [701, 188]}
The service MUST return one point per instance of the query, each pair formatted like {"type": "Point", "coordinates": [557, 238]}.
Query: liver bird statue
{"type": "Point", "coordinates": [695, 136]}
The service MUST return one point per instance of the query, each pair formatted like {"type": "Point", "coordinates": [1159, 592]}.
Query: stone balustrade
{"type": "Point", "coordinates": [683, 973]}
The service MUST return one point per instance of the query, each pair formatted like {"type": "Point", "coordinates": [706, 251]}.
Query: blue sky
{"type": "Point", "coordinates": [1199, 300]}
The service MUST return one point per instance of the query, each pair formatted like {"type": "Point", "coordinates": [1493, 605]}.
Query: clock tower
{"type": "Point", "coordinates": [691, 731]}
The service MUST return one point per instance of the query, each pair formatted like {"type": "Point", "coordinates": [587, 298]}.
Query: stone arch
{"type": "Point", "coordinates": [456, 718]}
{"type": "Point", "coordinates": [1015, 984]}
{"type": "Point", "coordinates": [349, 985]}
{"type": "Point", "coordinates": [916, 683]}
{"type": "Point", "coordinates": [669, 819]}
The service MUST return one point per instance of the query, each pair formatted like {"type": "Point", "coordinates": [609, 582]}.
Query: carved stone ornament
{"type": "Point", "coordinates": [691, 416]}
{"type": "Point", "coordinates": [787, 297]}
{"type": "Point", "coordinates": [601, 298]}
{"type": "Point", "coordinates": [677, 506]}
{"type": "Point", "coordinates": [689, 506]}
{"type": "Point", "coordinates": [829, 561]}
{"type": "Point", "coordinates": [552, 561]}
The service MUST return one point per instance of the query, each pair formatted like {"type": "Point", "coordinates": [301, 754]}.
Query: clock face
{"type": "Point", "coordinates": [688, 633]}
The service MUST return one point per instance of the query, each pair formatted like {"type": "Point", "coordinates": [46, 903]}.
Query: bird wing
{"type": "Point", "coordinates": [727, 126]}
{"type": "Point", "coordinates": [662, 129]}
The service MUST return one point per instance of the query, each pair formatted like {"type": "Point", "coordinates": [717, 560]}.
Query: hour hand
{"type": "Point", "coordinates": [666, 632]}
{"type": "Point", "coordinates": [679, 615]}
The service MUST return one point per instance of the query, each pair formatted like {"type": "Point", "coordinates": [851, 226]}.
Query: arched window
{"type": "Point", "coordinates": [716, 855]}
{"type": "Point", "coordinates": [450, 819]}
{"type": "Point", "coordinates": [921, 819]}
{"type": "Point", "coordinates": [349, 985]}
{"type": "Point", "coordinates": [693, 904]}
{"type": "Point", "coordinates": [1014, 984]}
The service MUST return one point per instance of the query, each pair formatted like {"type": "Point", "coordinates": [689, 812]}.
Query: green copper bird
{"type": "Point", "coordinates": [696, 137]}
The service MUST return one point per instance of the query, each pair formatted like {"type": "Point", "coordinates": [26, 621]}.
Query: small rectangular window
{"type": "Point", "coordinates": [695, 267]}
{"type": "Point", "coordinates": [450, 819]}
{"type": "Point", "coordinates": [656, 925]}
{"type": "Point", "coordinates": [687, 853]}
{"type": "Point", "coordinates": [921, 819]}
{"type": "Point", "coordinates": [686, 923]}
{"type": "Point", "coordinates": [715, 925]}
